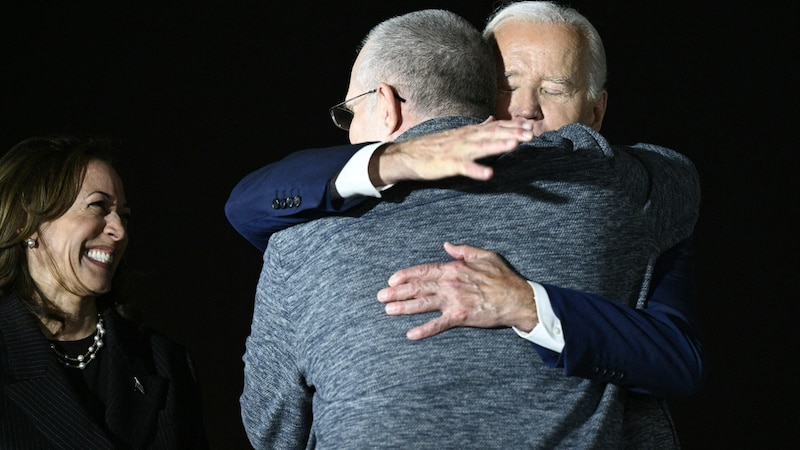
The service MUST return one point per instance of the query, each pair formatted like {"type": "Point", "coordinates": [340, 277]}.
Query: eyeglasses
{"type": "Point", "coordinates": [342, 116]}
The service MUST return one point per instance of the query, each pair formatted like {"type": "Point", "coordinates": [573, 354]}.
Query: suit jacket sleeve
{"type": "Point", "coordinates": [655, 350]}
{"type": "Point", "coordinates": [287, 192]}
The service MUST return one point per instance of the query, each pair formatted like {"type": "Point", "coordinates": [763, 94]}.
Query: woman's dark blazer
{"type": "Point", "coordinates": [153, 398]}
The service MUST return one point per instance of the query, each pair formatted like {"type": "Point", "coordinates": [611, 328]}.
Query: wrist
{"type": "Point", "coordinates": [375, 165]}
{"type": "Point", "coordinates": [393, 164]}
{"type": "Point", "coordinates": [526, 317]}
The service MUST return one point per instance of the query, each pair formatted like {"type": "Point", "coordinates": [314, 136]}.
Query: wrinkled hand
{"type": "Point", "coordinates": [478, 289]}
{"type": "Point", "coordinates": [452, 152]}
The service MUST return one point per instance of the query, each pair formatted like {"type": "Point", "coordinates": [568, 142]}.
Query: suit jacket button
{"type": "Point", "coordinates": [276, 204]}
{"type": "Point", "coordinates": [296, 201]}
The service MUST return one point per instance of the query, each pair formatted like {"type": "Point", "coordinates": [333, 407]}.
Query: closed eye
{"type": "Point", "coordinates": [100, 205]}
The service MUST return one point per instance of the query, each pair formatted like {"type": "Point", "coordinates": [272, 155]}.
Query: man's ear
{"type": "Point", "coordinates": [599, 110]}
{"type": "Point", "coordinates": [390, 107]}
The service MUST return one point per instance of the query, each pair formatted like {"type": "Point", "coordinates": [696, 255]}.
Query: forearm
{"type": "Point", "coordinates": [657, 349]}
{"type": "Point", "coordinates": [290, 191]}
{"type": "Point", "coordinates": [654, 350]}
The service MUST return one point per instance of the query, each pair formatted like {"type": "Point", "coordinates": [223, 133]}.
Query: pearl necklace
{"type": "Point", "coordinates": [83, 360]}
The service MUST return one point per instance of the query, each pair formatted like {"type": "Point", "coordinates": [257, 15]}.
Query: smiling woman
{"type": "Point", "coordinates": [64, 335]}
{"type": "Point", "coordinates": [75, 256]}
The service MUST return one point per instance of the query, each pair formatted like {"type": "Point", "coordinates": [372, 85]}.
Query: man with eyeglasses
{"type": "Point", "coordinates": [325, 366]}
{"type": "Point", "coordinates": [548, 85]}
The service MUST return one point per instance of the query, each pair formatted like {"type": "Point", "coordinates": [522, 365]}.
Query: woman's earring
{"type": "Point", "coordinates": [31, 243]}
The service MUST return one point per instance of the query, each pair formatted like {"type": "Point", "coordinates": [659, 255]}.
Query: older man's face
{"type": "Point", "coordinates": [544, 76]}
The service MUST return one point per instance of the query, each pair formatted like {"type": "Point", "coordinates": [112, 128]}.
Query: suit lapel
{"type": "Point", "coordinates": [40, 388]}
{"type": "Point", "coordinates": [134, 396]}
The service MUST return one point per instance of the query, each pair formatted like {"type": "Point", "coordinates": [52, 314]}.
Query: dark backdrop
{"type": "Point", "coordinates": [203, 92]}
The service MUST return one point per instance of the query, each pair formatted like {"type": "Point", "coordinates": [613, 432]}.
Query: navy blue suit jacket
{"type": "Point", "coordinates": [662, 336]}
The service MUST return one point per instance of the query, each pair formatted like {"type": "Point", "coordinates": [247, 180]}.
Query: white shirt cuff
{"type": "Point", "coordinates": [547, 332]}
{"type": "Point", "coordinates": [353, 180]}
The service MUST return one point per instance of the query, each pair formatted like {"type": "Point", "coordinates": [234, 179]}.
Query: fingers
{"type": "Point", "coordinates": [517, 122]}
{"type": "Point", "coordinates": [430, 272]}
{"type": "Point", "coordinates": [455, 251]}
{"type": "Point", "coordinates": [426, 330]}
{"type": "Point", "coordinates": [466, 252]}
{"type": "Point", "coordinates": [475, 289]}
{"type": "Point", "coordinates": [398, 293]}
{"type": "Point", "coordinates": [477, 171]}
{"type": "Point", "coordinates": [431, 327]}
{"type": "Point", "coordinates": [420, 272]}
{"type": "Point", "coordinates": [405, 285]}
{"type": "Point", "coordinates": [418, 306]}
{"type": "Point", "coordinates": [415, 306]}
{"type": "Point", "coordinates": [452, 152]}
{"type": "Point", "coordinates": [434, 326]}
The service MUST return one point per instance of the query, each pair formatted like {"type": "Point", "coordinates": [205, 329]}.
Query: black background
{"type": "Point", "coordinates": [203, 92]}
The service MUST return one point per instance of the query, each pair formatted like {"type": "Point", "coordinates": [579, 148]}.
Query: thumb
{"type": "Point", "coordinates": [463, 252]}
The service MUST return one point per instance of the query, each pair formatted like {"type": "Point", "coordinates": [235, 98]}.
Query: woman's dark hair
{"type": "Point", "coordinates": [40, 178]}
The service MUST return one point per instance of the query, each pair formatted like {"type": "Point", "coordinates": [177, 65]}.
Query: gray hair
{"type": "Point", "coordinates": [437, 60]}
{"type": "Point", "coordinates": [552, 13]}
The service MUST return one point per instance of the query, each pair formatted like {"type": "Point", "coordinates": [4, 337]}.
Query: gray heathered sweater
{"type": "Point", "coordinates": [326, 368]}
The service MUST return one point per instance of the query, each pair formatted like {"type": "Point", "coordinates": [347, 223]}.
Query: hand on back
{"type": "Point", "coordinates": [452, 152]}
{"type": "Point", "coordinates": [478, 289]}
